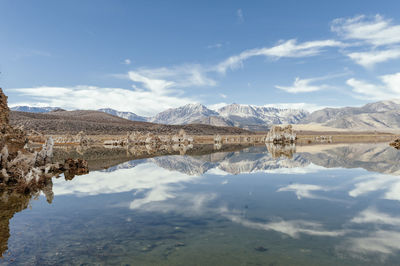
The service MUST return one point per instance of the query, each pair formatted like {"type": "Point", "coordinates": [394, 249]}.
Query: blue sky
{"type": "Point", "coordinates": [147, 56]}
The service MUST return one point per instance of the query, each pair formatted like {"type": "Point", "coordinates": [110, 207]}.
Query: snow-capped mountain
{"type": "Point", "coordinates": [183, 115]}
{"type": "Point", "coordinates": [377, 115]}
{"type": "Point", "coordinates": [250, 115]}
{"type": "Point", "coordinates": [126, 115]}
{"type": "Point", "coordinates": [245, 116]}
{"type": "Point", "coordinates": [30, 109]}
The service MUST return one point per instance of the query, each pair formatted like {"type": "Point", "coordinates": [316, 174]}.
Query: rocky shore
{"type": "Point", "coordinates": [24, 168]}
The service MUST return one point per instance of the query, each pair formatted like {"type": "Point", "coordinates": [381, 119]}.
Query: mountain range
{"type": "Point", "coordinates": [378, 115]}
{"type": "Point", "coordinates": [30, 109]}
{"type": "Point", "coordinates": [256, 118]}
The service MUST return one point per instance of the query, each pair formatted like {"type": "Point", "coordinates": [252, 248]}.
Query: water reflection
{"type": "Point", "coordinates": [12, 201]}
{"type": "Point", "coordinates": [329, 204]}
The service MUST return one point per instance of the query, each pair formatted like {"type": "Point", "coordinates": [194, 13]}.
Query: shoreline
{"type": "Point", "coordinates": [303, 138]}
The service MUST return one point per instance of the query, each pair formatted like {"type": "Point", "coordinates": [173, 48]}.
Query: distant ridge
{"type": "Point", "coordinates": [377, 115]}
{"type": "Point", "coordinates": [254, 118]}
{"type": "Point", "coordinates": [98, 123]}
{"type": "Point", "coordinates": [126, 115]}
{"type": "Point", "coordinates": [183, 115]}
{"type": "Point", "coordinates": [30, 109]}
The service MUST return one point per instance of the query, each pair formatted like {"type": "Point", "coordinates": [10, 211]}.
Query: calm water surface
{"type": "Point", "coordinates": [326, 205]}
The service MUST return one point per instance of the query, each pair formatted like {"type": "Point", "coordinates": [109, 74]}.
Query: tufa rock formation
{"type": "Point", "coordinates": [8, 134]}
{"type": "Point", "coordinates": [22, 168]}
{"type": "Point", "coordinates": [281, 135]}
{"type": "Point", "coordinates": [4, 110]}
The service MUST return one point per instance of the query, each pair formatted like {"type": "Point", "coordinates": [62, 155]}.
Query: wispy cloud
{"type": "Point", "coordinates": [388, 89]}
{"type": "Point", "coordinates": [306, 85]}
{"type": "Point", "coordinates": [239, 14]}
{"type": "Point", "coordinates": [303, 190]}
{"type": "Point", "coordinates": [187, 75]}
{"type": "Point", "coordinates": [145, 102]}
{"type": "Point", "coordinates": [301, 85]}
{"type": "Point", "coordinates": [292, 228]}
{"type": "Point", "coordinates": [216, 106]}
{"type": "Point", "coordinates": [216, 45]}
{"type": "Point", "coordinates": [380, 241]}
{"type": "Point", "coordinates": [380, 35]}
{"type": "Point", "coordinates": [372, 215]}
{"type": "Point", "coordinates": [288, 48]}
{"type": "Point", "coordinates": [370, 58]}
{"type": "Point", "coordinates": [375, 30]}
{"type": "Point", "coordinates": [311, 107]}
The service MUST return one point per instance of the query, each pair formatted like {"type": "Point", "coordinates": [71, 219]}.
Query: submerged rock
{"type": "Point", "coordinates": [395, 144]}
{"type": "Point", "coordinates": [261, 249]}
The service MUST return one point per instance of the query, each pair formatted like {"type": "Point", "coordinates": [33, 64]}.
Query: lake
{"type": "Point", "coordinates": [307, 205]}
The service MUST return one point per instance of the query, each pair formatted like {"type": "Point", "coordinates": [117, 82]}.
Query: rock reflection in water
{"type": "Point", "coordinates": [236, 159]}
{"type": "Point", "coordinates": [279, 150]}
{"type": "Point", "coordinates": [164, 209]}
{"type": "Point", "coordinates": [12, 201]}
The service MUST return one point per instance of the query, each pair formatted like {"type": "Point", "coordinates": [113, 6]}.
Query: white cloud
{"type": "Point", "coordinates": [388, 89]}
{"type": "Point", "coordinates": [302, 170]}
{"type": "Point", "coordinates": [370, 58]}
{"type": "Point", "coordinates": [304, 85]}
{"type": "Point", "coordinates": [155, 85]}
{"type": "Point", "coordinates": [375, 30]}
{"type": "Point", "coordinates": [292, 228]}
{"type": "Point", "coordinates": [371, 215]}
{"type": "Point", "coordinates": [303, 190]}
{"type": "Point", "coordinates": [301, 85]}
{"type": "Point", "coordinates": [148, 177]}
{"type": "Point", "coordinates": [187, 75]}
{"type": "Point", "coordinates": [141, 102]}
{"type": "Point", "coordinates": [127, 61]}
{"type": "Point", "coordinates": [216, 106]}
{"type": "Point", "coordinates": [289, 48]}
{"type": "Point", "coordinates": [380, 34]}
{"type": "Point", "coordinates": [310, 107]}
{"type": "Point", "coordinates": [381, 241]}
{"type": "Point", "coordinates": [240, 16]}
{"type": "Point", "coordinates": [154, 90]}
{"type": "Point", "coordinates": [217, 171]}
{"type": "Point", "coordinates": [388, 185]}
{"type": "Point", "coordinates": [217, 45]}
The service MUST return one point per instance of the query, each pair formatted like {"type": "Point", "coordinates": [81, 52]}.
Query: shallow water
{"type": "Point", "coordinates": [328, 205]}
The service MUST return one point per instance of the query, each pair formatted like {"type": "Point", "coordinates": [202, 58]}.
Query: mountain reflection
{"type": "Point", "coordinates": [242, 185]}
{"type": "Point", "coordinates": [379, 158]}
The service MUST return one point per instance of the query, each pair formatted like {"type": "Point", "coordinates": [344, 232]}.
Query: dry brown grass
{"type": "Point", "coordinates": [99, 123]}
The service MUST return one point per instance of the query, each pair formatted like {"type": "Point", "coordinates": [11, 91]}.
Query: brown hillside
{"type": "Point", "coordinates": [97, 123]}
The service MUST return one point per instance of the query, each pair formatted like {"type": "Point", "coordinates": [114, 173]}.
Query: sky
{"type": "Point", "coordinates": [148, 56]}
